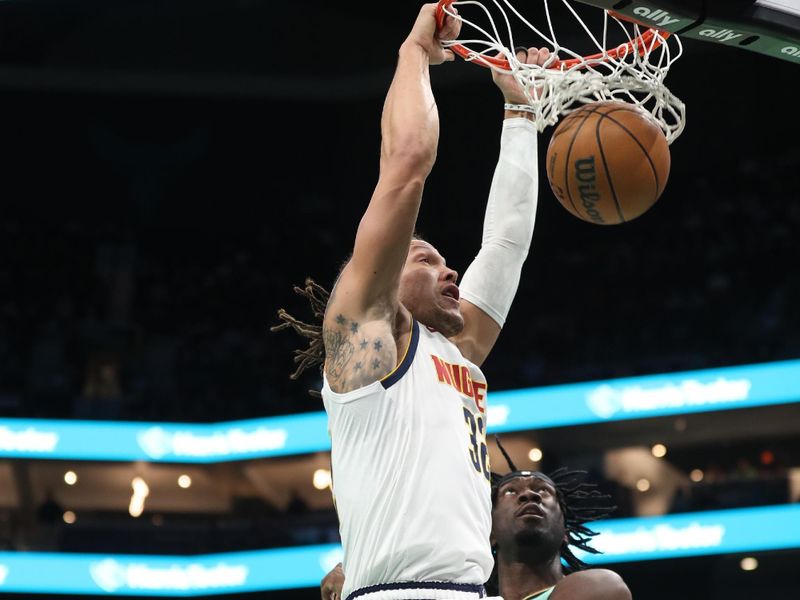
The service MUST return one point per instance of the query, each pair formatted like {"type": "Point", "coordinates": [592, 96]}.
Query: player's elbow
{"type": "Point", "coordinates": [412, 157]}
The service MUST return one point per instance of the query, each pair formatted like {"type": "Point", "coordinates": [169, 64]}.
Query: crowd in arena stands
{"type": "Point", "coordinates": [103, 319]}
{"type": "Point", "coordinates": [98, 329]}
{"type": "Point", "coordinates": [103, 331]}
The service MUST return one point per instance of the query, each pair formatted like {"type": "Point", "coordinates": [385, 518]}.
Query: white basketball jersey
{"type": "Point", "coordinates": [411, 470]}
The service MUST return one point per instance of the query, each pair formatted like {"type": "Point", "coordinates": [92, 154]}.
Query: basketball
{"type": "Point", "coordinates": [608, 162]}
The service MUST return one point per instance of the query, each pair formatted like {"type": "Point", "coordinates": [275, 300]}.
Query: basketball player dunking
{"type": "Point", "coordinates": [405, 397]}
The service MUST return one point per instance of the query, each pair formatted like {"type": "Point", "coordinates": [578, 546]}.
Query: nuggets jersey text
{"type": "Point", "coordinates": [411, 470]}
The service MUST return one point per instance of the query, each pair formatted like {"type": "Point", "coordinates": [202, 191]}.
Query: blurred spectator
{"type": "Point", "coordinates": [49, 515]}
{"type": "Point", "coordinates": [101, 396]}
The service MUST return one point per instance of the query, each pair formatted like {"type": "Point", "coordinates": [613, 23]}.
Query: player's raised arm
{"type": "Point", "coordinates": [362, 311]}
{"type": "Point", "coordinates": [490, 283]}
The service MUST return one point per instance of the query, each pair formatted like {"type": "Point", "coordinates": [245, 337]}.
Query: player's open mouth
{"type": "Point", "coordinates": [451, 291]}
{"type": "Point", "coordinates": [530, 510]}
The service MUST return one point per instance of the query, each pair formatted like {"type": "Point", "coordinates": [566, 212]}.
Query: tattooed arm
{"type": "Point", "coordinates": [356, 355]}
{"type": "Point", "coordinates": [365, 322]}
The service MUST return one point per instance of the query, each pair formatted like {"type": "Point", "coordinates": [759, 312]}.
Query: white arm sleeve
{"type": "Point", "coordinates": [491, 281]}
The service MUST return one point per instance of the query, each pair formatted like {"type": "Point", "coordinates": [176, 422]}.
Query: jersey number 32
{"type": "Point", "coordinates": [478, 453]}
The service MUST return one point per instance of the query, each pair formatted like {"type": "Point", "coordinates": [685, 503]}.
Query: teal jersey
{"type": "Point", "coordinates": [543, 595]}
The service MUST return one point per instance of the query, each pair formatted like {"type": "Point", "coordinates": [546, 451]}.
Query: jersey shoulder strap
{"type": "Point", "coordinates": [543, 595]}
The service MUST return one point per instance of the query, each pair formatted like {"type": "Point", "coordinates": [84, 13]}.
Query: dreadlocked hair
{"type": "Point", "coordinates": [314, 354]}
{"type": "Point", "coordinates": [580, 503]}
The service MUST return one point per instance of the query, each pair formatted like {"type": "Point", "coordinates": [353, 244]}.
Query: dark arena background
{"type": "Point", "coordinates": [171, 169]}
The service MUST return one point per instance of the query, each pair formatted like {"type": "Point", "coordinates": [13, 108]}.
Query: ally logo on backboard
{"type": "Point", "coordinates": [659, 17]}
{"type": "Point", "coordinates": [722, 35]}
{"type": "Point", "coordinates": [792, 51]}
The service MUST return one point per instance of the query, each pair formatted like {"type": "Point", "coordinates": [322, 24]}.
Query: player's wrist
{"type": "Point", "coordinates": [413, 47]}
{"type": "Point", "coordinates": [514, 110]}
{"type": "Point", "coordinates": [516, 114]}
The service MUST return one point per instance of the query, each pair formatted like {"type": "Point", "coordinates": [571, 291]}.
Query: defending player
{"type": "Point", "coordinates": [536, 521]}
{"type": "Point", "coordinates": [403, 389]}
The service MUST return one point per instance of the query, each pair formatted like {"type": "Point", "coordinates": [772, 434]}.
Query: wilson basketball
{"type": "Point", "coordinates": [608, 162]}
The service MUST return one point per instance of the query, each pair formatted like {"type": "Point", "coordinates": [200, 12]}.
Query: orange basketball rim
{"type": "Point", "coordinates": [646, 42]}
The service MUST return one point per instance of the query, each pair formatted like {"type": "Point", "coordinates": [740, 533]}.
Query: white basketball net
{"type": "Point", "coordinates": [633, 77]}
